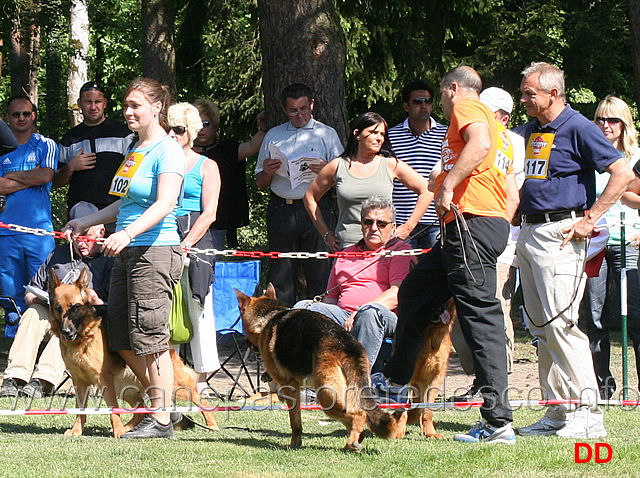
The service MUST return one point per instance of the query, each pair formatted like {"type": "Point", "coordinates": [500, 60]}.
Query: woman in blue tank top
{"type": "Point", "coordinates": [194, 216]}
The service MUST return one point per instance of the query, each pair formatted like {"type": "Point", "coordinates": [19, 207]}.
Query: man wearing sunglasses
{"type": "Point", "coordinates": [91, 152]}
{"type": "Point", "coordinates": [363, 291]}
{"type": "Point", "coordinates": [26, 182]}
{"type": "Point", "coordinates": [417, 141]}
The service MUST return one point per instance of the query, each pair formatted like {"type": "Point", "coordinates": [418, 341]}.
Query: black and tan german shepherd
{"type": "Point", "coordinates": [300, 347]}
{"type": "Point", "coordinates": [83, 344]}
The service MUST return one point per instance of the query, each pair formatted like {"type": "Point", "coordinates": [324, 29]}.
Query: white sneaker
{"type": "Point", "coordinates": [584, 424]}
{"type": "Point", "coordinates": [544, 427]}
{"type": "Point", "coordinates": [486, 433]}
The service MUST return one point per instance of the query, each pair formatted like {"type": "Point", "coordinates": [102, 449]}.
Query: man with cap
{"type": "Point", "coordinates": [22, 375]}
{"type": "Point", "coordinates": [91, 152]}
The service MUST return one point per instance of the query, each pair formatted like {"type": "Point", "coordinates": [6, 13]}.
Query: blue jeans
{"type": "Point", "coordinates": [372, 323]}
{"type": "Point", "coordinates": [427, 237]}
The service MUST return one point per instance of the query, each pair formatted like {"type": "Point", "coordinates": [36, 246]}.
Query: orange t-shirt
{"type": "Point", "coordinates": [484, 191]}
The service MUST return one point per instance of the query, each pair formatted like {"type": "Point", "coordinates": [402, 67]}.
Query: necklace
{"type": "Point", "coordinates": [365, 166]}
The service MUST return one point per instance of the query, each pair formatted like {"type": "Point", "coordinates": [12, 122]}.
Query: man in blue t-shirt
{"type": "Point", "coordinates": [26, 175]}
{"type": "Point", "coordinates": [558, 209]}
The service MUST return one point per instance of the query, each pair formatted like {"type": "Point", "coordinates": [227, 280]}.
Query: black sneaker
{"type": "Point", "coordinates": [149, 427]}
{"type": "Point", "coordinates": [37, 388]}
{"type": "Point", "coordinates": [10, 388]}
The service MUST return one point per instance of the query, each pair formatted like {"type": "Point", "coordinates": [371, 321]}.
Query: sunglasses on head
{"type": "Point", "coordinates": [424, 99]}
{"type": "Point", "coordinates": [92, 85]}
{"type": "Point", "coordinates": [370, 222]}
{"type": "Point", "coordinates": [17, 114]}
{"type": "Point", "coordinates": [179, 130]}
{"type": "Point", "coordinates": [601, 120]}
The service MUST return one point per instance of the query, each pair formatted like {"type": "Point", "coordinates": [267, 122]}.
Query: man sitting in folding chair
{"type": "Point", "coordinates": [362, 293]}
{"type": "Point", "coordinates": [23, 376]}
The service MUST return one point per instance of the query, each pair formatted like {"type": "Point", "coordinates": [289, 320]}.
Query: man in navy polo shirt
{"type": "Point", "coordinates": [558, 209]}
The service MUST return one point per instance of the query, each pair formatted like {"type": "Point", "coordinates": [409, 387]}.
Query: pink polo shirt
{"type": "Point", "coordinates": [358, 286]}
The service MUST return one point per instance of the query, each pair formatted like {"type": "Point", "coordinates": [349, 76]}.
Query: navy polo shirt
{"type": "Point", "coordinates": [575, 148]}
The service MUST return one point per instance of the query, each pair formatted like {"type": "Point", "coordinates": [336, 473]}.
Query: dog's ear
{"type": "Point", "coordinates": [82, 282]}
{"type": "Point", "coordinates": [53, 282]}
{"type": "Point", "coordinates": [271, 291]}
{"type": "Point", "coordinates": [243, 300]}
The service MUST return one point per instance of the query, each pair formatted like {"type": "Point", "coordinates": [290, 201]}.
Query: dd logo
{"type": "Point", "coordinates": [588, 454]}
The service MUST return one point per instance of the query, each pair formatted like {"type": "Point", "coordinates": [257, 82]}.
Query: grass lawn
{"type": "Point", "coordinates": [251, 444]}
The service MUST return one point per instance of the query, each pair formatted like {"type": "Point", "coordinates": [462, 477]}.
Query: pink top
{"type": "Point", "coordinates": [369, 283]}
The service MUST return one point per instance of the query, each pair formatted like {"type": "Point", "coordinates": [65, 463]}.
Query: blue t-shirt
{"type": "Point", "coordinates": [163, 156]}
{"type": "Point", "coordinates": [192, 200]}
{"type": "Point", "coordinates": [30, 207]}
{"type": "Point", "coordinates": [574, 148]}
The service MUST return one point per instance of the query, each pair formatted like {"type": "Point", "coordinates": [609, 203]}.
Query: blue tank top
{"type": "Point", "coordinates": [192, 200]}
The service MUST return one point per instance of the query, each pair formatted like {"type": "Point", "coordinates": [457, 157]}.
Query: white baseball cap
{"type": "Point", "coordinates": [497, 99]}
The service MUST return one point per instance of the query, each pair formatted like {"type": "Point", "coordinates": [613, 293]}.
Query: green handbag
{"type": "Point", "coordinates": [180, 325]}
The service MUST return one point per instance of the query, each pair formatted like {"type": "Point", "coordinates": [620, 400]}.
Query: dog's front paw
{"type": "Point", "coordinates": [353, 447]}
{"type": "Point", "coordinates": [435, 436]}
{"type": "Point", "coordinates": [73, 432]}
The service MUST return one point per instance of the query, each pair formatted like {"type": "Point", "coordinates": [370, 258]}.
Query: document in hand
{"type": "Point", "coordinates": [298, 169]}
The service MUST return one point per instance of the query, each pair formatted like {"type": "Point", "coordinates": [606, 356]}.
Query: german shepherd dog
{"type": "Point", "coordinates": [431, 367]}
{"type": "Point", "coordinates": [83, 343]}
{"type": "Point", "coordinates": [299, 345]}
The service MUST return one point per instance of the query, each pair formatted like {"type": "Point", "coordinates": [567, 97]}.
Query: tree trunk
{"type": "Point", "coordinates": [34, 57]}
{"type": "Point", "coordinates": [79, 49]}
{"type": "Point", "coordinates": [18, 60]}
{"type": "Point", "coordinates": [634, 21]}
{"type": "Point", "coordinates": [158, 50]}
{"type": "Point", "coordinates": [302, 42]}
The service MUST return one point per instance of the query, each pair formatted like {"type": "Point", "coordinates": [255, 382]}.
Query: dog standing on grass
{"type": "Point", "coordinates": [299, 346]}
{"type": "Point", "coordinates": [85, 352]}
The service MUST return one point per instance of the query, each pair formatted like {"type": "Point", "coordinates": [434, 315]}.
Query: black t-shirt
{"type": "Point", "coordinates": [233, 203]}
{"type": "Point", "coordinates": [109, 140]}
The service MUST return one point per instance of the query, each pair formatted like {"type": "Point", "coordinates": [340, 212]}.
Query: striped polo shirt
{"type": "Point", "coordinates": [422, 153]}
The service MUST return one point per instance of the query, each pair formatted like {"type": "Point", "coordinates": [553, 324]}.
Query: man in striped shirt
{"type": "Point", "coordinates": [417, 141]}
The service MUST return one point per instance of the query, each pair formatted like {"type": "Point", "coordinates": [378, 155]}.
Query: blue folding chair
{"type": "Point", "coordinates": [12, 315]}
{"type": "Point", "coordinates": [245, 277]}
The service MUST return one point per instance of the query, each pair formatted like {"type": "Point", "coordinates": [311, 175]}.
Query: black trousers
{"type": "Point", "coordinates": [469, 275]}
{"type": "Point", "coordinates": [290, 229]}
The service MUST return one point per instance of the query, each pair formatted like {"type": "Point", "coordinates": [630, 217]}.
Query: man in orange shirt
{"type": "Point", "coordinates": [474, 209]}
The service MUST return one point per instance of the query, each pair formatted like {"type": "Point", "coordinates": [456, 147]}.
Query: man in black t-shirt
{"type": "Point", "coordinates": [91, 152]}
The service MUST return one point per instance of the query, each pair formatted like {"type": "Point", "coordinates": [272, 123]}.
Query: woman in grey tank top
{"type": "Point", "coordinates": [366, 168]}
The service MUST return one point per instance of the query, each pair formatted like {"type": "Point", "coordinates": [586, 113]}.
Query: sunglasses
{"type": "Point", "coordinates": [206, 124]}
{"type": "Point", "coordinates": [600, 120]}
{"type": "Point", "coordinates": [424, 99]}
{"type": "Point", "coordinates": [17, 114]}
{"type": "Point", "coordinates": [377, 222]}
{"type": "Point", "coordinates": [179, 130]}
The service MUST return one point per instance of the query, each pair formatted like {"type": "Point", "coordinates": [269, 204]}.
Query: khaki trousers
{"type": "Point", "coordinates": [33, 329]}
